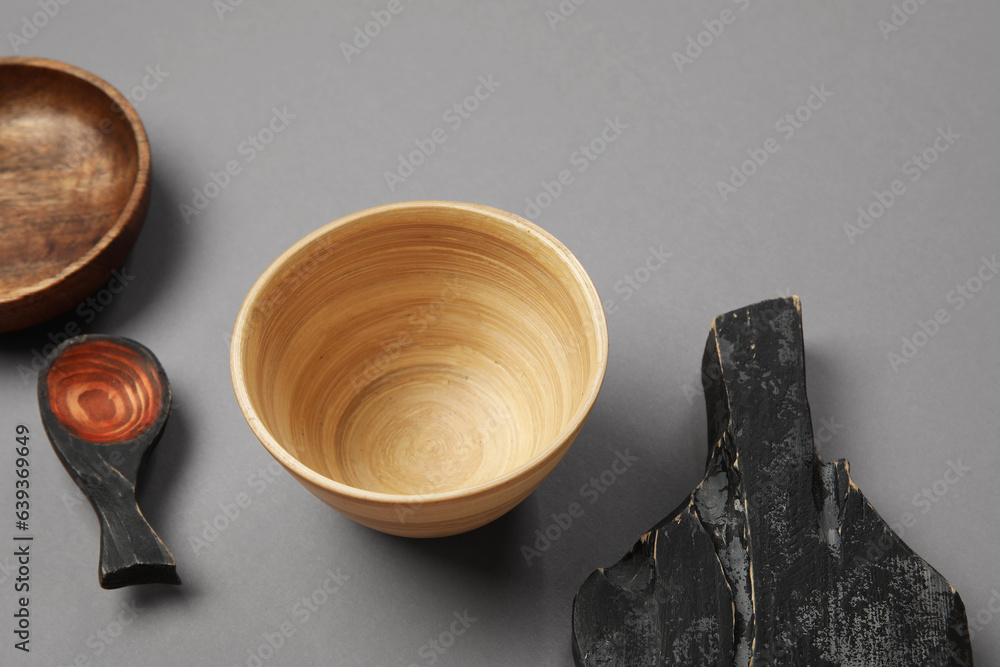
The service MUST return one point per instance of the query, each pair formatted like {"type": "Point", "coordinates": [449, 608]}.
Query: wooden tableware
{"type": "Point", "coordinates": [104, 401]}
{"type": "Point", "coordinates": [74, 187]}
{"type": "Point", "coordinates": [422, 366]}
{"type": "Point", "coordinates": [776, 557]}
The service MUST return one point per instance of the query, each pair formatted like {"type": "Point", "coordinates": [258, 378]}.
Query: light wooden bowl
{"type": "Point", "coordinates": [74, 187]}
{"type": "Point", "coordinates": [421, 367]}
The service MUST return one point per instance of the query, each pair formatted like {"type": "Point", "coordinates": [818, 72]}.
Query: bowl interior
{"type": "Point", "coordinates": [422, 349]}
{"type": "Point", "coordinates": [68, 164]}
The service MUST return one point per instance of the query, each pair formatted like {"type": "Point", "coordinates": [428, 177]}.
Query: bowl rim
{"type": "Point", "coordinates": [139, 185]}
{"type": "Point", "coordinates": [555, 449]}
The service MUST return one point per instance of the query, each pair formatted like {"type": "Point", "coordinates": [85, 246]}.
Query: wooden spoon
{"type": "Point", "coordinates": [104, 401]}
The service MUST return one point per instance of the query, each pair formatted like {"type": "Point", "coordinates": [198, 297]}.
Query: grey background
{"type": "Point", "coordinates": [782, 232]}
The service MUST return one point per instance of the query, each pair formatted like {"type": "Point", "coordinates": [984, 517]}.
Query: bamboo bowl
{"type": "Point", "coordinates": [420, 367]}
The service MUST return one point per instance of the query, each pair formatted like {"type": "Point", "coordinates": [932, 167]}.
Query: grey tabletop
{"type": "Point", "coordinates": [695, 158]}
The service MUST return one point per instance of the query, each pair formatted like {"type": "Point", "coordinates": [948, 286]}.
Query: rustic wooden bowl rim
{"type": "Point", "coordinates": [141, 177]}
{"type": "Point", "coordinates": [595, 311]}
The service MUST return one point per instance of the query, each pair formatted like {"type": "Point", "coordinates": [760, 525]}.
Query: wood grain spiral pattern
{"type": "Point", "coordinates": [104, 392]}
{"type": "Point", "coordinates": [420, 349]}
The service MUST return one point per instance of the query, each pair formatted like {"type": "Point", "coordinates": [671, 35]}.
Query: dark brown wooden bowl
{"type": "Point", "coordinates": [74, 186]}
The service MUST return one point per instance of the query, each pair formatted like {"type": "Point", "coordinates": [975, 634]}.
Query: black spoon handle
{"type": "Point", "coordinates": [131, 551]}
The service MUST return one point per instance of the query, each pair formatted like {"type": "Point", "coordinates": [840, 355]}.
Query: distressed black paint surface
{"type": "Point", "coordinates": [131, 551]}
{"type": "Point", "coordinates": [776, 558]}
